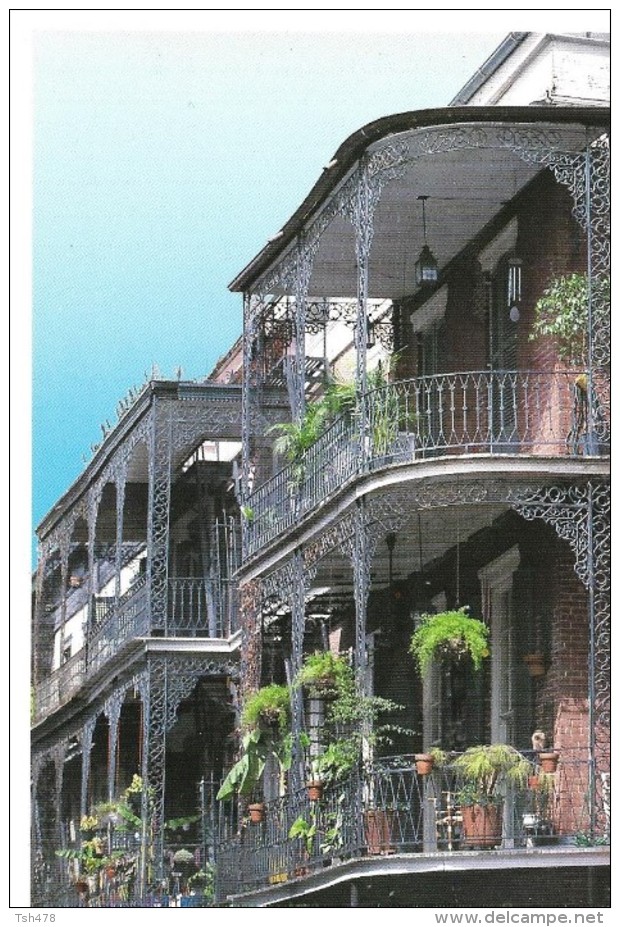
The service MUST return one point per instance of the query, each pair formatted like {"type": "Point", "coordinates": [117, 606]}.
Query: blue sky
{"type": "Point", "coordinates": [162, 163]}
{"type": "Point", "coordinates": [165, 152]}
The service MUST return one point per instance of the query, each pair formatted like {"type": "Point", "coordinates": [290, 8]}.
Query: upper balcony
{"type": "Point", "coordinates": [471, 247]}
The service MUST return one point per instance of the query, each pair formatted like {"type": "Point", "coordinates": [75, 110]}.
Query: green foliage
{"type": "Point", "coordinates": [304, 830]}
{"type": "Point", "coordinates": [486, 767]}
{"type": "Point", "coordinates": [184, 857]}
{"type": "Point", "coordinates": [450, 634]}
{"type": "Point", "coordinates": [324, 672]}
{"type": "Point", "coordinates": [562, 314]}
{"type": "Point", "coordinates": [180, 823]}
{"type": "Point", "coordinates": [440, 757]}
{"type": "Point", "coordinates": [360, 716]}
{"type": "Point", "coordinates": [293, 439]}
{"type": "Point", "coordinates": [247, 771]}
{"type": "Point", "coordinates": [204, 881]}
{"type": "Point", "coordinates": [268, 707]}
{"type": "Point", "coordinates": [266, 718]}
{"type": "Point", "coordinates": [90, 855]}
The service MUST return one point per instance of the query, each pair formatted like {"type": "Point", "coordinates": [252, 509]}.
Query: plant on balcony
{"type": "Point", "coordinates": [266, 721]}
{"type": "Point", "coordinates": [449, 635]}
{"type": "Point", "coordinates": [562, 314]}
{"type": "Point", "coordinates": [324, 674]}
{"type": "Point", "coordinates": [433, 759]}
{"type": "Point", "coordinates": [360, 716]}
{"type": "Point", "coordinates": [293, 439]}
{"type": "Point", "coordinates": [302, 829]}
{"type": "Point", "coordinates": [132, 796]}
{"type": "Point", "coordinates": [486, 771]}
{"type": "Point", "coordinates": [203, 882]}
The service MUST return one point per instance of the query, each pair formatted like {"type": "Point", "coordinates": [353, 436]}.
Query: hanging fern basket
{"type": "Point", "coordinates": [450, 635]}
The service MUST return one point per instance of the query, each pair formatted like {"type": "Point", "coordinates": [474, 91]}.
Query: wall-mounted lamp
{"type": "Point", "coordinates": [514, 288]}
{"type": "Point", "coordinates": [370, 334]}
{"type": "Point", "coordinates": [426, 266]}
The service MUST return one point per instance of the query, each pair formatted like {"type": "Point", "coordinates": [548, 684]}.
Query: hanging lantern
{"type": "Point", "coordinates": [426, 270]}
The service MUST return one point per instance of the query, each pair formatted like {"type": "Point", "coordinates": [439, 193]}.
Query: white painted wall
{"type": "Point", "coordinates": [560, 69]}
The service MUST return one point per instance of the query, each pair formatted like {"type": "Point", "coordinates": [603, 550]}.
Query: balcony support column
{"type": "Point", "coordinates": [362, 557]}
{"type": "Point", "coordinates": [246, 415]}
{"type": "Point", "coordinates": [580, 515]}
{"type": "Point", "coordinates": [87, 743]}
{"type": "Point", "coordinates": [160, 444]}
{"type": "Point", "coordinates": [43, 635]}
{"type": "Point", "coordinates": [65, 543]}
{"type": "Point", "coordinates": [251, 638]}
{"type": "Point", "coordinates": [302, 282]}
{"type": "Point", "coordinates": [361, 211]}
{"type": "Point", "coordinates": [58, 754]}
{"type": "Point", "coordinates": [94, 500]}
{"type": "Point", "coordinates": [112, 710]}
{"type": "Point", "coordinates": [120, 507]}
{"type": "Point", "coordinates": [298, 618]}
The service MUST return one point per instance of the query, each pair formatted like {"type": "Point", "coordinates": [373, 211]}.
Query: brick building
{"type": "Point", "coordinates": [199, 560]}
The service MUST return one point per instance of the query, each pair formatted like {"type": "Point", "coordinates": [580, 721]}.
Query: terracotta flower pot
{"type": "Point", "coordinates": [424, 763]}
{"type": "Point", "coordinates": [315, 790]}
{"type": "Point", "coordinates": [257, 813]}
{"type": "Point", "coordinates": [482, 826]}
{"type": "Point", "coordinates": [378, 832]}
{"type": "Point", "coordinates": [548, 761]}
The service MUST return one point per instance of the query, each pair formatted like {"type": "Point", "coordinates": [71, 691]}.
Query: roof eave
{"type": "Point", "coordinates": [356, 144]}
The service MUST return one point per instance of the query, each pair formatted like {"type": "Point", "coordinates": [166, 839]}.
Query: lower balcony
{"type": "Point", "coordinates": [394, 818]}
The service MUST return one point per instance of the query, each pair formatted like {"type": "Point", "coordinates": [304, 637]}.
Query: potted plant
{"type": "Point", "coordinates": [268, 709]}
{"type": "Point", "coordinates": [293, 439]}
{"type": "Point", "coordinates": [256, 811]}
{"type": "Point", "coordinates": [486, 770]}
{"type": "Point", "coordinates": [266, 720]}
{"type": "Point", "coordinates": [323, 674]}
{"type": "Point", "coordinates": [548, 760]}
{"type": "Point", "coordinates": [449, 635]}
{"type": "Point", "coordinates": [535, 663]}
{"type": "Point", "coordinates": [315, 783]}
{"type": "Point", "coordinates": [426, 762]}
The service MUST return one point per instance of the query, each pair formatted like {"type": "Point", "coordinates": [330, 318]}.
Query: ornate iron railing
{"type": "Point", "coordinates": [196, 608]}
{"type": "Point", "coordinates": [55, 691]}
{"type": "Point", "coordinates": [392, 809]}
{"type": "Point", "coordinates": [480, 412]}
{"type": "Point", "coordinates": [201, 607]}
{"type": "Point", "coordinates": [120, 622]}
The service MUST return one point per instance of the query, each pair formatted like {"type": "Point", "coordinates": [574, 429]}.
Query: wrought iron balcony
{"type": "Point", "coordinates": [201, 607]}
{"type": "Point", "coordinates": [474, 413]}
{"type": "Point", "coordinates": [196, 608]}
{"type": "Point", "coordinates": [55, 691]}
{"type": "Point", "coordinates": [393, 810]}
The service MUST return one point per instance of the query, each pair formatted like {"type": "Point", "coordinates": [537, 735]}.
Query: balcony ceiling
{"type": "Point", "coordinates": [465, 190]}
{"type": "Point", "coordinates": [466, 187]}
{"type": "Point", "coordinates": [417, 542]}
